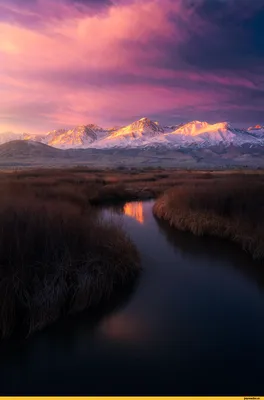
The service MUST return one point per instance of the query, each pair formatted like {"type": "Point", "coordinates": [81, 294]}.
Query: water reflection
{"type": "Point", "coordinates": [213, 250]}
{"type": "Point", "coordinates": [124, 327]}
{"type": "Point", "coordinates": [134, 210]}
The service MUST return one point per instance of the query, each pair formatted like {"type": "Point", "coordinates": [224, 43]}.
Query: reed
{"type": "Point", "coordinates": [232, 209]}
{"type": "Point", "coordinates": [56, 259]}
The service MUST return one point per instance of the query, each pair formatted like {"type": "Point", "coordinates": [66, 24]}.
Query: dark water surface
{"type": "Point", "coordinates": [194, 324]}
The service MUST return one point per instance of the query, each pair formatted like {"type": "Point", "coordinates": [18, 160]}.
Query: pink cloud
{"type": "Point", "coordinates": [95, 41]}
{"type": "Point", "coordinates": [103, 42]}
{"type": "Point", "coordinates": [36, 61]}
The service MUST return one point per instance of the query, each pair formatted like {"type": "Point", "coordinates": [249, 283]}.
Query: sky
{"type": "Point", "coordinates": [72, 62]}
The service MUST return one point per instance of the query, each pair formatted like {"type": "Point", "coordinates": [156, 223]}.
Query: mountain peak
{"type": "Point", "coordinates": [143, 128]}
{"type": "Point", "coordinates": [257, 131]}
{"type": "Point", "coordinates": [192, 128]}
{"type": "Point", "coordinates": [196, 122]}
{"type": "Point", "coordinates": [223, 125]}
{"type": "Point", "coordinates": [195, 128]}
{"type": "Point", "coordinates": [79, 136]}
{"type": "Point", "coordinates": [256, 128]}
{"type": "Point", "coordinates": [146, 124]}
{"type": "Point", "coordinates": [95, 127]}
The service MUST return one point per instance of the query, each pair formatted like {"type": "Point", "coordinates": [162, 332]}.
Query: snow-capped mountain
{"type": "Point", "coordinates": [80, 136]}
{"type": "Point", "coordinates": [257, 131]}
{"type": "Point", "coordinates": [145, 133]}
{"type": "Point", "coordinates": [143, 128]}
{"type": "Point", "coordinates": [193, 128]}
{"type": "Point", "coordinates": [205, 134]}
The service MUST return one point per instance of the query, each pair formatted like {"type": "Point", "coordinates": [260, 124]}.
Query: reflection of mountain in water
{"type": "Point", "coordinates": [134, 210]}
{"type": "Point", "coordinates": [212, 249]}
{"type": "Point", "coordinates": [124, 327]}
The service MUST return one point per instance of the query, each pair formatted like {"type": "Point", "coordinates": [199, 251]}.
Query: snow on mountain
{"type": "Point", "coordinates": [143, 128]}
{"type": "Point", "coordinates": [32, 137]}
{"type": "Point", "coordinates": [113, 129]}
{"type": "Point", "coordinates": [205, 134]}
{"type": "Point", "coordinates": [136, 134]}
{"type": "Point", "coordinates": [206, 131]}
{"type": "Point", "coordinates": [78, 137]}
{"type": "Point", "coordinates": [193, 128]}
{"type": "Point", "coordinates": [145, 133]}
{"type": "Point", "coordinates": [257, 131]}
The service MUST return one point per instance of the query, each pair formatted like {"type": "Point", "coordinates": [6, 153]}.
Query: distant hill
{"type": "Point", "coordinates": [10, 136]}
{"type": "Point", "coordinates": [28, 149]}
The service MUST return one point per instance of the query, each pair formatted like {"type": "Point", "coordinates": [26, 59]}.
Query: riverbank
{"type": "Point", "coordinates": [231, 209]}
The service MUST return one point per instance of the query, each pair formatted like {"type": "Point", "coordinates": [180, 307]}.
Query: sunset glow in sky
{"type": "Point", "coordinates": [70, 62]}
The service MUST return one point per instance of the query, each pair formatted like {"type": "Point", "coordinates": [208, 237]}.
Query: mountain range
{"type": "Point", "coordinates": [144, 134]}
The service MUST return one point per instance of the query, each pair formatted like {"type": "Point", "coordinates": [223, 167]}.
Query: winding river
{"type": "Point", "coordinates": [193, 324]}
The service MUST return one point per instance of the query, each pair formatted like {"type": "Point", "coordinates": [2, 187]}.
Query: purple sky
{"type": "Point", "coordinates": [69, 62]}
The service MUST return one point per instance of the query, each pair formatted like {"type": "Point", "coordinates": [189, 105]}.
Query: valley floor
{"type": "Point", "coordinates": [21, 155]}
